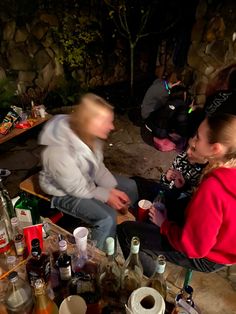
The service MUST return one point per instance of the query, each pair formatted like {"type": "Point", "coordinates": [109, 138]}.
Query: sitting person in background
{"type": "Point", "coordinates": [74, 172]}
{"type": "Point", "coordinates": [178, 183]}
{"type": "Point", "coordinates": [207, 239]}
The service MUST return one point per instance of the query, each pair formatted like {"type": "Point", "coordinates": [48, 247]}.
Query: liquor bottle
{"type": "Point", "coordinates": [184, 302]}
{"type": "Point", "coordinates": [18, 237]}
{"type": "Point", "coordinates": [159, 201]}
{"type": "Point", "coordinates": [5, 230]}
{"type": "Point", "coordinates": [6, 200]}
{"type": "Point", "coordinates": [157, 281]}
{"type": "Point", "coordinates": [43, 304]}
{"type": "Point", "coordinates": [64, 262]}
{"type": "Point", "coordinates": [132, 273]}
{"type": "Point", "coordinates": [109, 280]}
{"type": "Point", "coordinates": [27, 211]}
{"type": "Point", "coordinates": [38, 266]}
{"type": "Point", "coordinates": [18, 297]}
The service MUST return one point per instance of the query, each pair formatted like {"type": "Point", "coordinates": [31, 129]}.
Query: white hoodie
{"type": "Point", "coordinates": [70, 167]}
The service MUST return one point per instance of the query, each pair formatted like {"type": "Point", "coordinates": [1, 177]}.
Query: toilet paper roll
{"type": "Point", "coordinates": [145, 301]}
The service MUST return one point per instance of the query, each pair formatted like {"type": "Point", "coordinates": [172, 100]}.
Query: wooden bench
{"type": "Point", "coordinates": [31, 186]}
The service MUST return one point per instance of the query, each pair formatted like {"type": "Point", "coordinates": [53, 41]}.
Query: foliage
{"type": "Point", "coordinates": [80, 39]}
{"type": "Point", "coordinates": [7, 93]}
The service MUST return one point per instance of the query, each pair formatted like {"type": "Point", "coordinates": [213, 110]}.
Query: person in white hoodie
{"type": "Point", "coordinates": [73, 169]}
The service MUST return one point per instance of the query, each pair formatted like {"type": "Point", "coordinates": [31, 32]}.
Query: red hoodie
{"type": "Point", "coordinates": [209, 230]}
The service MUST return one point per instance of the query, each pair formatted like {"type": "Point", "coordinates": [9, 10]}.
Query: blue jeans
{"type": "Point", "coordinates": [99, 215]}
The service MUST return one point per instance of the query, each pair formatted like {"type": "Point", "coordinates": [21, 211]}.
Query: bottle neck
{"type": "Point", "coordinates": [42, 300]}
{"type": "Point", "coordinates": [110, 257]}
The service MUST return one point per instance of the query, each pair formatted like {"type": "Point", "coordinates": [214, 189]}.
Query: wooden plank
{"type": "Point", "coordinates": [31, 186]}
{"type": "Point", "coordinates": [15, 132]}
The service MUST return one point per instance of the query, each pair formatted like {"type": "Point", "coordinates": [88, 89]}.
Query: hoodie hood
{"type": "Point", "coordinates": [227, 178]}
{"type": "Point", "coordinates": [56, 132]}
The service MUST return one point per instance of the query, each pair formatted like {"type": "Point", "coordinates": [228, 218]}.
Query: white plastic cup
{"type": "Point", "coordinates": [73, 304]}
{"type": "Point", "coordinates": [42, 112]}
{"type": "Point", "coordinates": [81, 236]}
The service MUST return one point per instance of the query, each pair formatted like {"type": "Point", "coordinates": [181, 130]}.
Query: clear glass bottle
{"type": "Point", "coordinates": [64, 262]}
{"type": "Point", "coordinates": [38, 266]}
{"type": "Point", "coordinates": [5, 229]}
{"type": "Point", "coordinates": [157, 281]}
{"type": "Point", "coordinates": [6, 200]}
{"type": "Point", "coordinates": [18, 237]}
{"type": "Point", "coordinates": [184, 301]}
{"type": "Point", "coordinates": [109, 280]}
{"type": "Point", "coordinates": [18, 297]}
{"type": "Point", "coordinates": [159, 201]}
{"type": "Point", "coordinates": [11, 262]}
{"type": "Point", "coordinates": [43, 304]}
{"type": "Point", "coordinates": [26, 209]}
{"type": "Point", "coordinates": [132, 272]}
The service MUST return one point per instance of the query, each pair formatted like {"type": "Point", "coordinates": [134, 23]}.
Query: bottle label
{"type": "Point", "coordinates": [4, 240]}
{"type": "Point", "coordinates": [65, 273]}
{"type": "Point", "coordinates": [24, 216]}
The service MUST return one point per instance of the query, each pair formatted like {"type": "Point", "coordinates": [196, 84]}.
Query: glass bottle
{"type": "Point", "coordinates": [6, 200]}
{"type": "Point", "coordinates": [5, 230]}
{"type": "Point", "coordinates": [11, 262]}
{"type": "Point", "coordinates": [18, 297]}
{"type": "Point", "coordinates": [18, 237]}
{"type": "Point", "coordinates": [132, 272]}
{"type": "Point", "coordinates": [64, 262]}
{"type": "Point", "coordinates": [38, 266]}
{"type": "Point", "coordinates": [159, 201]}
{"type": "Point", "coordinates": [43, 304]}
{"type": "Point", "coordinates": [157, 281]}
{"type": "Point", "coordinates": [109, 280]}
{"type": "Point", "coordinates": [26, 209]}
{"type": "Point", "coordinates": [184, 301]}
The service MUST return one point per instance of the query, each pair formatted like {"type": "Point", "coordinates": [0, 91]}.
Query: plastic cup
{"type": "Point", "coordinates": [73, 304]}
{"type": "Point", "coordinates": [81, 236]}
{"type": "Point", "coordinates": [143, 209]}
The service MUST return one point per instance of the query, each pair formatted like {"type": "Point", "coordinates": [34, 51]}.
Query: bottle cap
{"type": "Point", "coordinates": [188, 289]}
{"type": "Point", "coordinates": [135, 243]}
{"type": "Point", "coordinates": [38, 284]}
{"type": "Point", "coordinates": [14, 221]}
{"type": "Point", "coordinates": [110, 246]}
{"type": "Point", "coordinates": [13, 276]}
{"type": "Point", "coordinates": [62, 245]}
{"type": "Point", "coordinates": [11, 259]}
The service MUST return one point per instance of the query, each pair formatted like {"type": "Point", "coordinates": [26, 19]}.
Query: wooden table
{"type": "Point", "coordinates": [15, 132]}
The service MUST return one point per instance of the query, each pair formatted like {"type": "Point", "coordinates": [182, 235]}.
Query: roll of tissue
{"type": "Point", "coordinates": [145, 301]}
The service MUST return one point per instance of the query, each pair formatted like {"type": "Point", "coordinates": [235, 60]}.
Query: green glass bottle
{"type": "Point", "coordinates": [27, 211]}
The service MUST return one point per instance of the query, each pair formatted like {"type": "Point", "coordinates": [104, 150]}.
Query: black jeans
{"type": "Point", "coordinates": [152, 244]}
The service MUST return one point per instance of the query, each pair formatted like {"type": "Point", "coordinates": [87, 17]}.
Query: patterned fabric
{"type": "Point", "coordinates": [191, 173]}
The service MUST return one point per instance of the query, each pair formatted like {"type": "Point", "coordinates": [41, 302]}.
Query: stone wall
{"type": "Point", "coordinates": [212, 53]}
{"type": "Point", "coordinates": [29, 55]}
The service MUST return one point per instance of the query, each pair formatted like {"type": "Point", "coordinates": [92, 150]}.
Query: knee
{"type": "Point", "coordinates": [109, 221]}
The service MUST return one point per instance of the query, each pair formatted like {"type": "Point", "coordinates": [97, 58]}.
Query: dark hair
{"type": "Point", "coordinates": [177, 92]}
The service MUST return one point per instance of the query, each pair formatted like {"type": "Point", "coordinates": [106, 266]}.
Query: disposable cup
{"type": "Point", "coordinates": [42, 112]}
{"type": "Point", "coordinates": [143, 209]}
{"type": "Point", "coordinates": [73, 304]}
{"type": "Point", "coordinates": [81, 236]}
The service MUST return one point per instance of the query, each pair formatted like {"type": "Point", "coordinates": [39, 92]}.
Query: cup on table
{"type": "Point", "coordinates": [143, 209]}
{"type": "Point", "coordinates": [81, 238]}
{"type": "Point", "coordinates": [42, 112]}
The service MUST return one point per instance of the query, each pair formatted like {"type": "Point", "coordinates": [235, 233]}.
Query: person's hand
{"type": "Point", "coordinates": [156, 216]}
{"type": "Point", "coordinates": [174, 84]}
{"type": "Point", "coordinates": [170, 174]}
{"type": "Point", "coordinates": [117, 199]}
{"type": "Point", "coordinates": [179, 179]}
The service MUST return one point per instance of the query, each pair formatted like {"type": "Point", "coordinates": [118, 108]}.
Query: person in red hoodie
{"type": "Point", "coordinates": [207, 239]}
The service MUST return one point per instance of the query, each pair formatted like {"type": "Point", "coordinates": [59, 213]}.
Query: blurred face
{"type": "Point", "coordinates": [193, 157]}
{"type": "Point", "coordinates": [202, 146]}
{"type": "Point", "coordinates": [101, 124]}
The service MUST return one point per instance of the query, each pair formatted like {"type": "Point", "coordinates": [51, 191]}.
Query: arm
{"type": "Point", "coordinates": [104, 178]}
{"type": "Point", "coordinates": [203, 221]}
{"type": "Point", "coordinates": [68, 176]}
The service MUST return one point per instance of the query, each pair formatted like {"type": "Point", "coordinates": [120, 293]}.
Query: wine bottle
{"type": "Point", "coordinates": [132, 273]}
{"type": "Point", "coordinates": [43, 304]}
{"type": "Point", "coordinates": [5, 229]}
{"type": "Point", "coordinates": [109, 280]}
{"type": "Point", "coordinates": [64, 262]}
{"type": "Point", "coordinates": [157, 281]}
